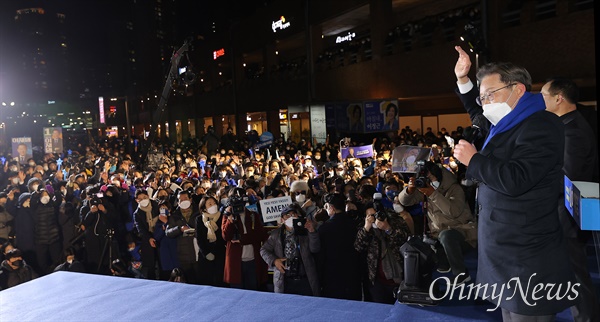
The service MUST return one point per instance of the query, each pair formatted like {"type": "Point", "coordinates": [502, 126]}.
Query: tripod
{"type": "Point", "coordinates": [108, 241]}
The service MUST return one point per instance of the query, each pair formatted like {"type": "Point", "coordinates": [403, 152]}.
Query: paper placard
{"type": "Point", "coordinates": [271, 208]}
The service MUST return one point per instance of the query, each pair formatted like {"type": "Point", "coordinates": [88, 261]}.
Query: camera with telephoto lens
{"type": "Point", "coordinates": [292, 267]}
{"type": "Point", "coordinates": [380, 213]}
{"type": "Point", "coordinates": [422, 179]}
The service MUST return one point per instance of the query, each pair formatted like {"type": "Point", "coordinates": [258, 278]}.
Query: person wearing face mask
{"type": "Point", "coordinates": [290, 249]}
{"type": "Point", "coordinates": [519, 170]}
{"type": "Point", "coordinates": [24, 228]}
{"type": "Point", "coordinates": [145, 218]}
{"type": "Point", "coordinates": [449, 217]}
{"type": "Point", "coordinates": [380, 238]}
{"type": "Point", "coordinates": [47, 231]}
{"type": "Point", "coordinates": [211, 260]}
{"type": "Point", "coordinates": [302, 194]}
{"type": "Point", "coordinates": [182, 227]}
{"type": "Point", "coordinates": [167, 247]}
{"type": "Point", "coordinates": [14, 270]}
{"type": "Point", "coordinates": [71, 264]}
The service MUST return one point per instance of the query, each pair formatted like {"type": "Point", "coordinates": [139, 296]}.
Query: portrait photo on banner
{"type": "Point", "coordinates": [390, 111]}
{"type": "Point", "coordinates": [405, 158]}
{"type": "Point", "coordinates": [355, 117]}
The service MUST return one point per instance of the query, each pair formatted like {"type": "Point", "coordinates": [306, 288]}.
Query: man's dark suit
{"type": "Point", "coordinates": [520, 180]}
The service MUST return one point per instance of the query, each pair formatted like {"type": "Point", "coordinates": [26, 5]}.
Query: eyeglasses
{"type": "Point", "coordinates": [489, 96]}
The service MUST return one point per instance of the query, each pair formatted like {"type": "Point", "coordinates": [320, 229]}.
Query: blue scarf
{"type": "Point", "coordinates": [528, 105]}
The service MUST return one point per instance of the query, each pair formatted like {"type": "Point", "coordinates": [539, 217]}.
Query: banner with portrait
{"type": "Point", "coordinates": [381, 116]}
{"type": "Point", "coordinates": [21, 149]}
{"type": "Point", "coordinates": [405, 158]}
{"type": "Point", "coordinates": [364, 151]}
{"type": "Point", "coordinates": [354, 113]}
{"type": "Point", "coordinates": [53, 140]}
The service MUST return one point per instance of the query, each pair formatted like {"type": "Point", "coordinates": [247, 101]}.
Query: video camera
{"type": "Point", "coordinates": [380, 213]}
{"type": "Point", "coordinates": [96, 199]}
{"type": "Point", "coordinates": [237, 203]}
{"type": "Point", "coordinates": [422, 179]}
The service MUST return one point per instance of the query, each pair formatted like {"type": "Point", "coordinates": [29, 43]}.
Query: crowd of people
{"type": "Point", "coordinates": [99, 210]}
{"type": "Point", "coordinates": [195, 213]}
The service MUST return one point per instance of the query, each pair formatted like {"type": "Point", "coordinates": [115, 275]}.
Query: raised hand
{"type": "Point", "coordinates": [463, 65]}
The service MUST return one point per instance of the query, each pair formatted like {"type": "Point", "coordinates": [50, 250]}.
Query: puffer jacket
{"type": "Point", "coordinates": [446, 208]}
{"type": "Point", "coordinates": [47, 230]}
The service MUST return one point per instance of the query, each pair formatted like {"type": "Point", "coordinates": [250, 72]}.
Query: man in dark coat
{"type": "Point", "coordinates": [14, 271]}
{"type": "Point", "coordinates": [338, 260]}
{"type": "Point", "coordinates": [580, 164]}
{"type": "Point", "coordinates": [520, 180]}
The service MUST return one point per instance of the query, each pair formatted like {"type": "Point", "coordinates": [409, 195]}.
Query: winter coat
{"type": "Point", "coordinates": [47, 231]}
{"type": "Point", "coordinates": [10, 277]}
{"type": "Point", "coordinates": [233, 256]}
{"type": "Point", "coordinates": [446, 208]}
{"type": "Point", "coordinates": [273, 248]}
{"type": "Point", "coordinates": [5, 223]}
{"type": "Point", "coordinates": [186, 252]}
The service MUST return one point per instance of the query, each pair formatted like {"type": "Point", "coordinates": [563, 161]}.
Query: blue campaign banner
{"type": "Point", "coordinates": [330, 116]}
{"type": "Point", "coordinates": [341, 118]}
{"type": "Point", "coordinates": [373, 117]}
{"type": "Point", "coordinates": [364, 151]}
{"type": "Point", "coordinates": [354, 112]}
{"type": "Point", "coordinates": [381, 116]}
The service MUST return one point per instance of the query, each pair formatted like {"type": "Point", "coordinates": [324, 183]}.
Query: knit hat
{"type": "Point", "coordinates": [23, 197]}
{"type": "Point", "coordinates": [299, 185]}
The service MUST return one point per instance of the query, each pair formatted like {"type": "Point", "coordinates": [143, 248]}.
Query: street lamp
{"type": "Point", "coordinates": [126, 112]}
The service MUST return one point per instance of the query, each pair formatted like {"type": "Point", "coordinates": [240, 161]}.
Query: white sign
{"type": "Point", "coordinates": [347, 37]}
{"type": "Point", "coordinates": [280, 24]}
{"type": "Point", "coordinates": [101, 109]}
{"type": "Point", "coordinates": [318, 126]}
{"type": "Point", "coordinates": [271, 208]}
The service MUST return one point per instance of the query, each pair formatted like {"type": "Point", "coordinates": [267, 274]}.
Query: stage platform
{"type": "Point", "coordinates": [65, 296]}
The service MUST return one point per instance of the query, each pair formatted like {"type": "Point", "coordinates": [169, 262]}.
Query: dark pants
{"type": "Point", "coordinates": [587, 308]}
{"type": "Point", "coordinates": [382, 293]}
{"type": "Point", "coordinates": [508, 316]}
{"type": "Point", "coordinates": [211, 272]}
{"type": "Point", "coordinates": [299, 286]}
{"type": "Point", "coordinates": [190, 271]}
{"type": "Point", "coordinates": [48, 256]}
{"type": "Point", "coordinates": [249, 281]}
{"type": "Point", "coordinates": [453, 246]}
{"type": "Point", "coordinates": [148, 260]}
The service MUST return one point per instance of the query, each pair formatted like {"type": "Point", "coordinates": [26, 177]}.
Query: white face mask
{"type": "Point", "coordinates": [45, 200]}
{"type": "Point", "coordinates": [495, 112]}
{"type": "Point", "coordinates": [289, 222]}
{"type": "Point", "coordinates": [70, 261]}
{"type": "Point", "coordinates": [374, 225]}
{"type": "Point", "coordinates": [307, 163]}
{"type": "Point", "coordinates": [13, 169]}
{"type": "Point", "coordinates": [317, 157]}
{"type": "Point", "coordinates": [185, 204]}
{"type": "Point", "coordinates": [398, 208]}
{"type": "Point", "coordinates": [435, 184]}
{"type": "Point", "coordinates": [452, 164]}
{"type": "Point", "coordinates": [250, 173]}
{"type": "Point", "coordinates": [212, 209]}
{"type": "Point", "coordinates": [144, 203]}
{"type": "Point", "coordinates": [340, 173]}
{"type": "Point", "coordinates": [224, 201]}
{"type": "Point", "coordinates": [300, 198]}
{"type": "Point", "coordinates": [206, 185]}
{"type": "Point", "coordinates": [35, 187]}
{"type": "Point", "coordinates": [15, 180]}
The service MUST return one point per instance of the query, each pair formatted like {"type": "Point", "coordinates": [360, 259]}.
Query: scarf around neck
{"type": "Point", "coordinates": [527, 105]}
{"type": "Point", "coordinates": [210, 221]}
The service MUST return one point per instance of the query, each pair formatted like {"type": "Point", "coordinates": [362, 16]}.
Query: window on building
{"type": "Point", "coordinates": [545, 9]}
{"type": "Point", "coordinates": [511, 16]}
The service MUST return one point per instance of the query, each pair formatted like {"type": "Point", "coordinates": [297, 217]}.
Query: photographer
{"type": "Point", "coordinates": [243, 232]}
{"type": "Point", "coordinates": [99, 227]}
{"type": "Point", "coordinates": [290, 250]}
{"type": "Point", "coordinates": [381, 238]}
{"type": "Point", "coordinates": [145, 218]}
{"type": "Point", "coordinates": [450, 219]}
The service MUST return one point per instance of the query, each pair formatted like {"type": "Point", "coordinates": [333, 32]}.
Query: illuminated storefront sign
{"type": "Point", "coordinates": [218, 53]}
{"type": "Point", "coordinates": [345, 38]}
{"type": "Point", "coordinates": [101, 109]}
{"type": "Point", "coordinates": [280, 24]}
